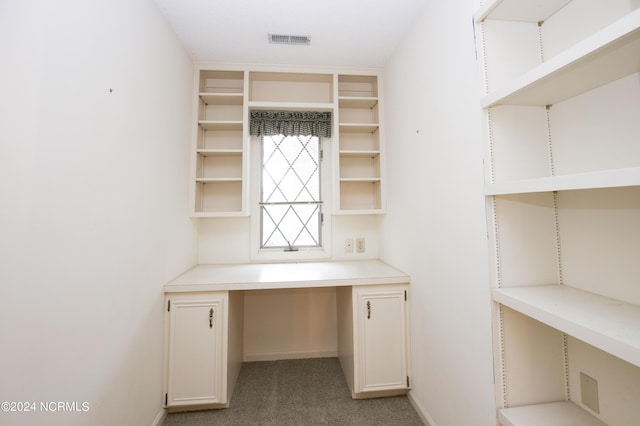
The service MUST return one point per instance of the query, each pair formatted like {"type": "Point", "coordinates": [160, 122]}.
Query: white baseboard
{"type": "Point", "coordinates": [159, 418]}
{"type": "Point", "coordinates": [426, 418]}
{"type": "Point", "coordinates": [274, 356]}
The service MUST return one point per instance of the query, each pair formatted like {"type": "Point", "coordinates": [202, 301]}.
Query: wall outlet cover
{"type": "Point", "coordinates": [589, 391]}
{"type": "Point", "coordinates": [360, 245]}
{"type": "Point", "coordinates": [348, 245]}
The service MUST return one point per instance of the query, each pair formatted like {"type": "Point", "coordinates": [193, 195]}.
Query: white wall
{"type": "Point", "coordinates": [435, 228]}
{"type": "Point", "coordinates": [228, 240]}
{"type": "Point", "coordinates": [290, 323]}
{"type": "Point", "coordinates": [94, 220]}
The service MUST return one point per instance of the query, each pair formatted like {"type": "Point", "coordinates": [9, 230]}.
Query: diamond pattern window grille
{"type": "Point", "coordinates": [290, 201]}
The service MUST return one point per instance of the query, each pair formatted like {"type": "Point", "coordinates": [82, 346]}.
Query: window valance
{"type": "Point", "coordinates": [290, 123]}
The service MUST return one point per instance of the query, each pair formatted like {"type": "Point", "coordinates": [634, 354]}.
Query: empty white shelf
{"type": "Point", "coordinates": [359, 153]}
{"type": "Point", "coordinates": [552, 414]}
{"type": "Point", "coordinates": [357, 102]}
{"type": "Point", "coordinates": [519, 10]}
{"type": "Point", "coordinates": [608, 324]}
{"type": "Point", "coordinates": [222, 152]}
{"type": "Point", "coordinates": [220, 125]}
{"type": "Point", "coordinates": [290, 106]}
{"type": "Point", "coordinates": [358, 127]}
{"type": "Point", "coordinates": [222, 98]}
{"type": "Point", "coordinates": [212, 180]}
{"type": "Point", "coordinates": [599, 179]}
{"type": "Point", "coordinates": [360, 179]}
{"type": "Point", "coordinates": [606, 56]}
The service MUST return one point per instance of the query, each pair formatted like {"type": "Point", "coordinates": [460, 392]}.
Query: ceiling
{"type": "Point", "coordinates": [344, 33]}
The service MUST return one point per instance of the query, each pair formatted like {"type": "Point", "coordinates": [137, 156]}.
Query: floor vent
{"type": "Point", "coordinates": [289, 39]}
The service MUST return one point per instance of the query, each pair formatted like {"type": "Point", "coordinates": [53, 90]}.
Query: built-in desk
{"type": "Point", "coordinates": [204, 326]}
{"type": "Point", "coordinates": [285, 275]}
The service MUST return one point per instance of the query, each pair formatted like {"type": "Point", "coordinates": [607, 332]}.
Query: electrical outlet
{"type": "Point", "coordinates": [589, 390]}
{"type": "Point", "coordinates": [348, 245]}
{"type": "Point", "coordinates": [360, 246]}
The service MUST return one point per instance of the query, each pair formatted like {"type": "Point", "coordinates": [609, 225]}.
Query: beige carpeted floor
{"type": "Point", "coordinates": [299, 392]}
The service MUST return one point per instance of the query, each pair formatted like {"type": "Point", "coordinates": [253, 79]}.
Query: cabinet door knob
{"type": "Point", "coordinates": [368, 309]}
{"type": "Point", "coordinates": [211, 318]}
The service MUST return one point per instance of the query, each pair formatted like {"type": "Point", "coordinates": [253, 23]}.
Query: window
{"type": "Point", "coordinates": [290, 193]}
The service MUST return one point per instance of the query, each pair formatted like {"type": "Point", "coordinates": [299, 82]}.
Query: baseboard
{"type": "Point", "coordinates": [275, 356]}
{"type": "Point", "coordinates": [162, 414]}
{"type": "Point", "coordinates": [424, 416]}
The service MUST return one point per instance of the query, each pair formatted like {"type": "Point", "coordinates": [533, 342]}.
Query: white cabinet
{"type": "Point", "coordinates": [205, 325]}
{"type": "Point", "coordinates": [562, 181]}
{"type": "Point", "coordinates": [373, 343]}
{"type": "Point", "coordinates": [202, 364]}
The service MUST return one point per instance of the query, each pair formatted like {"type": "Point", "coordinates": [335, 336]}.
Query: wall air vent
{"type": "Point", "coordinates": [289, 39]}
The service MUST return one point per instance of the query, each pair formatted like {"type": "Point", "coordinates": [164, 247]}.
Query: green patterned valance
{"type": "Point", "coordinates": [290, 123]}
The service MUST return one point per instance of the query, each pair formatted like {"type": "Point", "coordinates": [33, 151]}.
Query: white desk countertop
{"type": "Point", "coordinates": [262, 276]}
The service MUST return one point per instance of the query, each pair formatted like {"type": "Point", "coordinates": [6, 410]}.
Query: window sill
{"type": "Point", "coordinates": [268, 255]}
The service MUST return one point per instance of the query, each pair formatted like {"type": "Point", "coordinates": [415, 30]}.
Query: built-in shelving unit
{"type": "Point", "coordinates": [359, 148]}
{"type": "Point", "coordinates": [221, 156]}
{"type": "Point", "coordinates": [606, 56]}
{"type": "Point", "coordinates": [219, 169]}
{"type": "Point", "coordinates": [562, 180]}
{"type": "Point", "coordinates": [598, 179]}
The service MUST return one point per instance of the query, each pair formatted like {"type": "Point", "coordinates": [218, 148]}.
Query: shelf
{"type": "Point", "coordinates": [358, 127]}
{"type": "Point", "coordinates": [606, 56]}
{"type": "Point", "coordinates": [222, 98]}
{"type": "Point", "coordinates": [591, 180]}
{"type": "Point", "coordinates": [519, 10]}
{"type": "Point", "coordinates": [357, 102]}
{"type": "Point", "coordinates": [288, 106]}
{"type": "Point", "coordinates": [551, 414]}
{"type": "Point", "coordinates": [372, 180]}
{"type": "Point", "coordinates": [355, 153]}
{"type": "Point", "coordinates": [220, 125]}
{"type": "Point", "coordinates": [215, 180]}
{"type": "Point", "coordinates": [221, 152]}
{"type": "Point", "coordinates": [608, 324]}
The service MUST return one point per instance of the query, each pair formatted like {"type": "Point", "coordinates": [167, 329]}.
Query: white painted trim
{"type": "Point", "coordinates": [162, 414]}
{"type": "Point", "coordinates": [424, 416]}
{"type": "Point", "coordinates": [251, 67]}
{"type": "Point", "coordinates": [275, 356]}
{"type": "Point", "coordinates": [303, 254]}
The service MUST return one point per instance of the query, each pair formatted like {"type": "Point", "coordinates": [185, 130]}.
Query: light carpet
{"type": "Point", "coordinates": [299, 392]}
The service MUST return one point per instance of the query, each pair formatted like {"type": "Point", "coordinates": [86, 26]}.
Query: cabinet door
{"type": "Point", "coordinates": [382, 343]}
{"type": "Point", "coordinates": [196, 352]}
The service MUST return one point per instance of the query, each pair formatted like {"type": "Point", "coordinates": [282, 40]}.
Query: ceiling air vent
{"type": "Point", "coordinates": [289, 39]}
